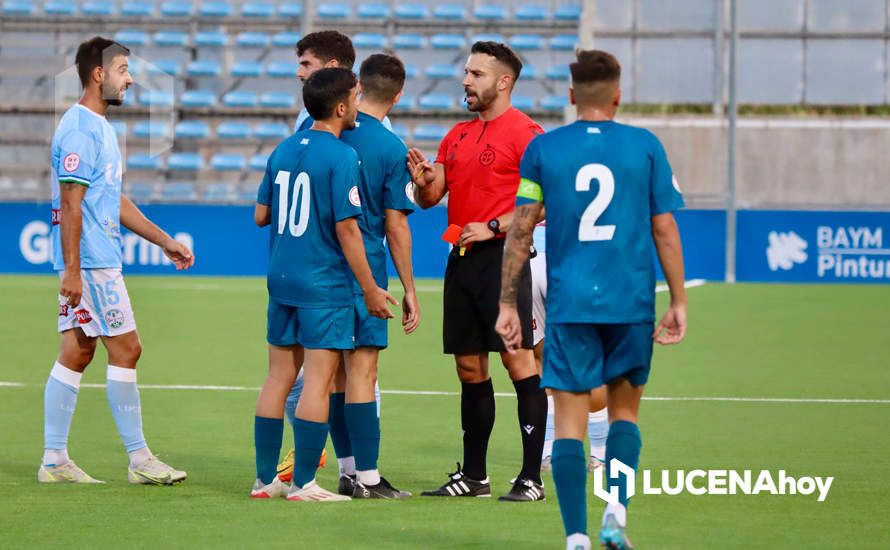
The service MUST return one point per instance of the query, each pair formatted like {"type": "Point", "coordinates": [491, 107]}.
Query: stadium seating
{"type": "Point", "coordinates": [373, 11]}
{"type": "Point", "coordinates": [448, 41]}
{"type": "Point", "coordinates": [258, 10]}
{"type": "Point", "coordinates": [490, 12]}
{"type": "Point", "coordinates": [402, 131]}
{"type": "Point", "coordinates": [405, 103]}
{"type": "Point", "coordinates": [179, 192]}
{"type": "Point", "coordinates": [369, 40]}
{"type": "Point", "coordinates": [165, 66]}
{"type": "Point", "coordinates": [430, 132]}
{"type": "Point", "coordinates": [271, 131]}
{"type": "Point", "coordinates": [523, 102]}
{"type": "Point", "coordinates": [291, 10]}
{"type": "Point", "coordinates": [144, 161]}
{"type": "Point", "coordinates": [531, 12]}
{"type": "Point", "coordinates": [567, 12]}
{"type": "Point", "coordinates": [132, 37]}
{"type": "Point", "coordinates": [409, 41]}
{"type": "Point", "coordinates": [177, 9]}
{"type": "Point", "coordinates": [286, 39]}
{"type": "Point", "coordinates": [246, 69]}
{"type": "Point", "coordinates": [59, 8]}
{"type": "Point", "coordinates": [258, 164]}
{"type": "Point", "coordinates": [240, 99]}
{"type": "Point", "coordinates": [211, 39]}
{"type": "Point", "coordinates": [527, 42]}
{"type": "Point", "coordinates": [185, 162]}
{"type": "Point", "coordinates": [215, 9]}
{"type": "Point", "coordinates": [554, 102]}
{"type": "Point", "coordinates": [281, 69]}
{"type": "Point", "coordinates": [155, 98]}
{"type": "Point", "coordinates": [436, 102]}
{"type": "Point", "coordinates": [220, 192]}
{"type": "Point", "coordinates": [203, 68]}
{"type": "Point", "coordinates": [227, 162]}
{"type": "Point", "coordinates": [442, 71]}
{"type": "Point", "coordinates": [558, 72]}
{"type": "Point", "coordinates": [450, 12]}
{"type": "Point", "coordinates": [18, 8]}
{"type": "Point", "coordinates": [192, 129]}
{"type": "Point", "coordinates": [330, 10]}
{"type": "Point", "coordinates": [198, 99]}
{"type": "Point", "coordinates": [169, 38]}
{"type": "Point", "coordinates": [233, 130]}
{"type": "Point", "coordinates": [252, 39]}
{"type": "Point", "coordinates": [137, 9]}
{"type": "Point", "coordinates": [98, 9]}
{"type": "Point", "coordinates": [563, 42]}
{"type": "Point", "coordinates": [277, 100]}
{"type": "Point", "coordinates": [150, 129]}
{"type": "Point", "coordinates": [140, 192]}
{"type": "Point", "coordinates": [412, 11]}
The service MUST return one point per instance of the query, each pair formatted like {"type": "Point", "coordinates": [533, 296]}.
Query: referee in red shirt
{"type": "Point", "coordinates": [478, 166]}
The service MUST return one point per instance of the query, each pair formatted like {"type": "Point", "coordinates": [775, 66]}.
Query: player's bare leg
{"type": "Point", "coordinates": [531, 407]}
{"type": "Point", "coordinates": [570, 464]}
{"type": "Point", "coordinates": [76, 350]}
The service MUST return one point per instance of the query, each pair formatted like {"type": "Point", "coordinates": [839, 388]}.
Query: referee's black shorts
{"type": "Point", "coordinates": [472, 291]}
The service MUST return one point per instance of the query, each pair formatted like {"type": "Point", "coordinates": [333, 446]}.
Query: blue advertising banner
{"type": "Point", "coordinates": [813, 247]}
{"type": "Point", "coordinates": [226, 241]}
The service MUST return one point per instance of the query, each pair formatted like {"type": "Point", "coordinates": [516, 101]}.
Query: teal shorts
{"type": "Point", "coordinates": [370, 331]}
{"type": "Point", "coordinates": [313, 328]}
{"type": "Point", "coordinates": [579, 357]}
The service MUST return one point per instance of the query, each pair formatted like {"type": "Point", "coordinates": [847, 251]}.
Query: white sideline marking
{"type": "Point", "coordinates": [454, 394]}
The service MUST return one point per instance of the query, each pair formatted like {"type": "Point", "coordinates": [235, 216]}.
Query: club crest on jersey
{"type": "Point", "coordinates": [71, 162]}
{"type": "Point", "coordinates": [487, 156]}
{"type": "Point", "coordinates": [82, 316]}
{"type": "Point", "coordinates": [354, 196]}
{"type": "Point", "coordinates": [114, 318]}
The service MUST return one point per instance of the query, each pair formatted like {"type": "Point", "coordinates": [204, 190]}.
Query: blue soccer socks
{"type": "Point", "coordinates": [339, 429]}
{"type": "Point", "coordinates": [623, 443]}
{"type": "Point", "coordinates": [123, 398]}
{"type": "Point", "coordinates": [364, 434]}
{"type": "Point", "coordinates": [569, 464]}
{"type": "Point", "coordinates": [309, 438]}
{"type": "Point", "coordinates": [267, 435]}
{"type": "Point", "coordinates": [59, 401]}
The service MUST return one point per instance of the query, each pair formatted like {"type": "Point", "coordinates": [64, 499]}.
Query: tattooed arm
{"type": "Point", "coordinates": [516, 251]}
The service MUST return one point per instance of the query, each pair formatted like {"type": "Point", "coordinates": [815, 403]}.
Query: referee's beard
{"type": "Point", "coordinates": [483, 100]}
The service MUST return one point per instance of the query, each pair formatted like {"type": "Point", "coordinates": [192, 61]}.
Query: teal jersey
{"type": "Point", "coordinates": [84, 151]}
{"type": "Point", "coordinates": [601, 183]}
{"type": "Point", "coordinates": [311, 183]}
{"type": "Point", "coordinates": [385, 185]}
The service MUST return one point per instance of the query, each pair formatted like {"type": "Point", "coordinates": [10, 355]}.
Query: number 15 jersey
{"type": "Point", "coordinates": [601, 183]}
{"type": "Point", "coordinates": [311, 183]}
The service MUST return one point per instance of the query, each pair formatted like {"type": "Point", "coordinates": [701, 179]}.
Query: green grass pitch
{"type": "Point", "coordinates": [768, 341]}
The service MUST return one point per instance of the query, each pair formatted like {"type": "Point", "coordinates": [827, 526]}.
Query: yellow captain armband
{"type": "Point", "coordinates": [531, 190]}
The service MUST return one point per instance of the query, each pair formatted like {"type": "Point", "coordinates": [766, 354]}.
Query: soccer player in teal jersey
{"type": "Point", "coordinates": [387, 194]}
{"type": "Point", "coordinates": [311, 198]}
{"type": "Point", "coordinates": [88, 212]}
{"type": "Point", "coordinates": [608, 190]}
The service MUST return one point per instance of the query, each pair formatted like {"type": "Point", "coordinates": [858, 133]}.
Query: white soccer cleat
{"type": "Point", "coordinates": [276, 489]}
{"type": "Point", "coordinates": [313, 492]}
{"type": "Point", "coordinates": [64, 473]}
{"type": "Point", "coordinates": [154, 472]}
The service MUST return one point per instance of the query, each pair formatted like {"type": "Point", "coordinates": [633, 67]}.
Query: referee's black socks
{"type": "Point", "coordinates": [531, 404]}
{"type": "Point", "coordinates": [477, 420]}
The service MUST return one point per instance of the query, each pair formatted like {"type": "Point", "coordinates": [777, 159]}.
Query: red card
{"type": "Point", "coordinates": [452, 234]}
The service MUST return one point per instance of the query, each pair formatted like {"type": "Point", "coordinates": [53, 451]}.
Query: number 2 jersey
{"type": "Point", "coordinates": [601, 183]}
{"type": "Point", "coordinates": [311, 183]}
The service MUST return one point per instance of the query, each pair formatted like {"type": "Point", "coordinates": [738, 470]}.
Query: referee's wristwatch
{"type": "Point", "coordinates": [495, 227]}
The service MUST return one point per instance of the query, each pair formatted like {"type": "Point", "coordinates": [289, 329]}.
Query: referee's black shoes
{"type": "Point", "coordinates": [460, 485]}
{"type": "Point", "coordinates": [524, 490]}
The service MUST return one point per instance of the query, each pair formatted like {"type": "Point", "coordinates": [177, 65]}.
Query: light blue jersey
{"type": "Point", "coordinates": [304, 121]}
{"type": "Point", "coordinates": [601, 183]}
{"type": "Point", "coordinates": [84, 151]}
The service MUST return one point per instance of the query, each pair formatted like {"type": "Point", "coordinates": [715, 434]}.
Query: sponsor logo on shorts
{"type": "Point", "coordinates": [83, 316]}
{"type": "Point", "coordinates": [114, 318]}
{"type": "Point", "coordinates": [354, 196]}
{"type": "Point", "coordinates": [71, 162]}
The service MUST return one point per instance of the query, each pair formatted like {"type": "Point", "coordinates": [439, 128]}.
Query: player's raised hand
{"type": "Point", "coordinates": [422, 172]}
{"type": "Point", "coordinates": [179, 254]}
{"type": "Point", "coordinates": [473, 232]}
{"type": "Point", "coordinates": [508, 327]}
{"type": "Point", "coordinates": [376, 302]}
{"type": "Point", "coordinates": [672, 328]}
{"type": "Point", "coordinates": [410, 312]}
{"type": "Point", "coordinates": [71, 288]}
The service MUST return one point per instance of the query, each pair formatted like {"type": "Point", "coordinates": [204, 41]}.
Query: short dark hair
{"type": "Point", "coordinates": [595, 75]}
{"type": "Point", "coordinates": [502, 53]}
{"type": "Point", "coordinates": [96, 52]}
{"type": "Point", "coordinates": [325, 89]}
{"type": "Point", "coordinates": [328, 45]}
{"type": "Point", "coordinates": [382, 76]}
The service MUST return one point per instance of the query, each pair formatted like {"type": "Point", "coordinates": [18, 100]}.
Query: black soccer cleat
{"type": "Point", "coordinates": [347, 485]}
{"type": "Point", "coordinates": [382, 490]}
{"type": "Point", "coordinates": [461, 486]}
{"type": "Point", "coordinates": [524, 490]}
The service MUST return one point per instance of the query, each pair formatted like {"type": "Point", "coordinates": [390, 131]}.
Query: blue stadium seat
{"type": "Point", "coordinates": [140, 192]}
{"type": "Point", "coordinates": [185, 162]}
{"type": "Point", "coordinates": [192, 129]}
{"type": "Point", "coordinates": [131, 37]}
{"type": "Point", "coordinates": [448, 41]}
{"type": "Point", "coordinates": [240, 99]}
{"type": "Point", "coordinates": [331, 10]}
{"type": "Point", "coordinates": [176, 39]}
{"type": "Point", "coordinates": [258, 164]}
{"type": "Point", "coordinates": [281, 69]}
{"type": "Point", "coordinates": [402, 131]}
{"type": "Point", "coordinates": [168, 66]}
{"type": "Point", "coordinates": [430, 132]}
{"type": "Point", "coordinates": [137, 9]}
{"type": "Point", "coordinates": [252, 39]}
{"type": "Point", "coordinates": [436, 102]}
{"type": "Point", "coordinates": [177, 9]}
{"type": "Point", "coordinates": [215, 9]}
{"type": "Point", "coordinates": [286, 39]}
{"type": "Point", "coordinates": [56, 8]}
{"type": "Point", "coordinates": [246, 69]}
{"type": "Point", "coordinates": [568, 12]}
{"type": "Point", "coordinates": [135, 67]}
{"type": "Point", "coordinates": [554, 102]}
{"type": "Point", "coordinates": [220, 192]}
{"type": "Point", "coordinates": [144, 161]}
{"type": "Point", "coordinates": [529, 72]}
{"type": "Point", "coordinates": [523, 102]}
{"type": "Point", "coordinates": [490, 12]}
{"type": "Point", "coordinates": [373, 11]}
{"type": "Point", "coordinates": [442, 70]}
{"type": "Point", "coordinates": [232, 129]}
{"type": "Point", "coordinates": [411, 71]}
{"type": "Point", "coordinates": [18, 8]}
{"type": "Point", "coordinates": [369, 40]}
{"type": "Point", "coordinates": [408, 41]}
{"type": "Point", "coordinates": [227, 162]}
{"type": "Point", "coordinates": [406, 103]}
{"type": "Point", "coordinates": [277, 100]}
{"type": "Point", "coordinates": [178, 191]}
{"type": "Point", "coordinates": [211, 38]}
{"type": "Point", "coordinates": [120, 127]}
{"type": "Point", "coordinates": [271, 130]}
{"type": "Point", "coordinates": [527, 42]}
{"type": "Point", "coordinates": [198, 99]}
{"type": "Point", "coordinates": [155, 98]}
{"type": "Point", "coordinates": [489, 37]}
{"type": "Point", "coordinates": [450, 12]}
{"type": "Point", "coordinates": [258, 10]}
{"type": "Point", "coordinates": [412, 11]}
{"type": "Point", "coordinates": [97, 9]}
{"type": "Point", "coordinates": [149, 129]}
{"type": "Point", "coordinates": [292, 10]}
{"type": "Point", "coordinates": [558, 72]}
{"type": "Point", "coordinates": [204, 67]}
{"type": "Point", "coordinates": [563, 42]}
{"type": "Point", "coordinates": [531, 12]}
